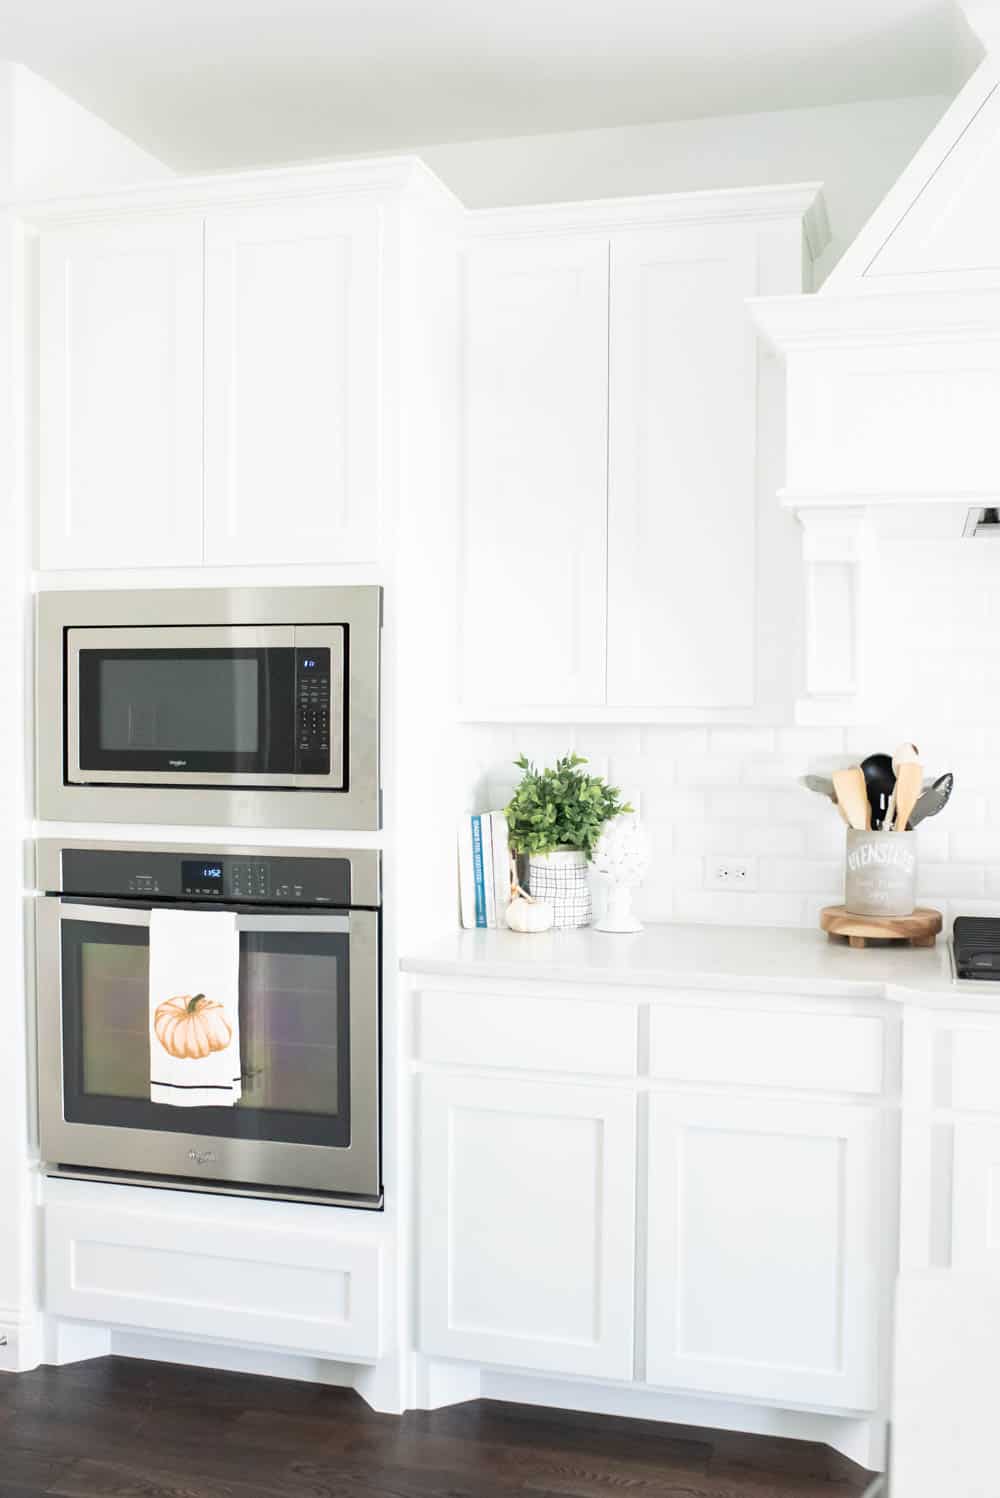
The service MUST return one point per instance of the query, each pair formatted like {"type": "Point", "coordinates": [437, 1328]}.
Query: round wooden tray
{"type": "Point", "coordinates": [920, 928]}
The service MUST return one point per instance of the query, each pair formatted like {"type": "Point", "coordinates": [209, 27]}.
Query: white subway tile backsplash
{"type": "Point", "coordinates": [719, 769]}
{"type": "Point", "coordinates": [668, 802]}
{"type": "Point", "coordinates": [975, 844]}
{"type": "Point", "coordinates": [711, 792]}
{"type": "Point", "coordinates": [752, 805]}
{"type": "Point", "coordinates": [811, 742]}
{"type": "Point", "coordinates": [949, 880]}
{"type": "Point", "coordinates": [741, 741]}
{"type": "Point", "coordinates": [804, 875]}
{"type": "Point", "coordinates": [737, 838]}
{"type": "Point", "coordinates": [737, 909]}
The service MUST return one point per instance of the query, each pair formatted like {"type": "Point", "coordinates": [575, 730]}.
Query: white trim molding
{"type": "Point", "coordinates": [838, 555]}
{"type": "Point", "coordinates": [21, 1339]}
{"type": "Point", "coordinates": [798, 200]}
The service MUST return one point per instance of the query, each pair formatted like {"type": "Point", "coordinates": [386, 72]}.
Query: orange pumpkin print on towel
{"type": "Point", "coordinates": [192, 1027]}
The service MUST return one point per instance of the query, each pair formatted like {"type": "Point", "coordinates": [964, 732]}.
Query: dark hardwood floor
{"type": "Point", "coordinates": [120, 1428]}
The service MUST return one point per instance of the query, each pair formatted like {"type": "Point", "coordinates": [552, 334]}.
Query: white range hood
{"type": "Point", "coordinates": [893, 389]}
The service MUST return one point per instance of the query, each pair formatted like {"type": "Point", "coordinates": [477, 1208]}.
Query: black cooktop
{"type": "Point", "coordinates": [976, 944]}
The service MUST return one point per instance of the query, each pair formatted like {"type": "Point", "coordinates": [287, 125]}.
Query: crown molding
{"type": "Point", "coordinates": [801, 201]}
{"type": "Point", "coordinates": [792, 324]}
{"type": "Point", "coordinates": [380, 176]}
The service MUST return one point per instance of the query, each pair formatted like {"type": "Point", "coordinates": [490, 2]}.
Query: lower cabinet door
{"type": "Point", "coordinates": [975, 1202]}
{"type": "Point", "coordinates": [763, 1254]}
{"type": "Point", "coordinates": [527, 1224]}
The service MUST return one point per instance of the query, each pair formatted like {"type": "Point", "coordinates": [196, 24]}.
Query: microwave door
{"type": "Point", "coordinates": [191, 706]}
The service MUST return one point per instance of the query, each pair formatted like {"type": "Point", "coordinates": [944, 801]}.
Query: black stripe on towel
{"type": "Point", "coordinates": [198, 1086]}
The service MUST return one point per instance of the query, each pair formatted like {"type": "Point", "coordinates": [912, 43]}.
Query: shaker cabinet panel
{"type": "Point", "coordinates": [534, 474]}
{"type": "Point", "coordinates": [120, 392]}
{"type": "Point", "coordinates": [975, 1208]}
{"type": "Point", "coordinates": [763, 1254]}
{"type": "Point", "coordinates": [292, 383]}
{"type": "Point", "coordinates": [681, 474]}
{"type": "Point", "coordinates": [527, 1225]}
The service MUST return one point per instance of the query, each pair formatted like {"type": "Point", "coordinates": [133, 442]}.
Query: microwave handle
{"type": "Point", "coordinates": [119, 915]}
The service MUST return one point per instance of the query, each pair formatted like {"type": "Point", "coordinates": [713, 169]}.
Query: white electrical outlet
{"type": "Point", "coordinates": [731, 873]}
{"type": "Point", "coordinates": [8, 1349]}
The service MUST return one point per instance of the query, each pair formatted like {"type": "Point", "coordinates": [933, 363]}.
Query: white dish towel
{"type": "Point", "coordinates": [194, 1013]}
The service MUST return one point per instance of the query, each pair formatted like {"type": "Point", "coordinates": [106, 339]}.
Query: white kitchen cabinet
{"type": "Point", "coordinates": [534, 473]}
{"type": "Point", "coordinates": [763, 1253]}
{"type": "Point", "coordinates": [307, 1289]}
{"type": "Point", "coordinates": [120, 360]}
{"type": "Point", "coordinates": [527, 1223]}
{"type": "Point", "coordinates": [610, 453]}
{"type": "Point", "coordinates": [681, 474]}
{"type": "Point", "coordinates": [975, 1202]}
{"type": "Point", "coordinates": [292, 343]}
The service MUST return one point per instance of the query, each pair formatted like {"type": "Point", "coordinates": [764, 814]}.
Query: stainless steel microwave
{"type": "Point", "coordinates": [252, 707]}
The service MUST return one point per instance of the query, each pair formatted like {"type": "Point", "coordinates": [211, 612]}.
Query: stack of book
{"type": "Point", "coordinates": [484, 873]}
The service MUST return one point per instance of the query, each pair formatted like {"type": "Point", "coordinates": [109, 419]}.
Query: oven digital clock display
{"type": "Point", "coordinates": [202, 878]}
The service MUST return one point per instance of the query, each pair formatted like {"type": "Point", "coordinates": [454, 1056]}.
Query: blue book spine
{"type": "Point", "coordinates": [478, 872]}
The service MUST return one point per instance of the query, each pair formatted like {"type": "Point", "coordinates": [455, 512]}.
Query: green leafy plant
{"type": "Point", "coordinates": [560, 808]}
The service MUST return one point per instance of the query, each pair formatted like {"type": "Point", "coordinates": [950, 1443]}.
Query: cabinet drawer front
{"type": "Point", "coordinates": [303, 1291]}
{"type": "Point", "coordinates": [767, 1048]}
{"type": "Point", "coordinates": [525, 1033]}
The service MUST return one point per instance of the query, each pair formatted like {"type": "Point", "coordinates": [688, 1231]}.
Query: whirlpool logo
{"type": "Point", "coordinates": [201, 1157]}
{"type": "Point", "coordinates": [177, 764]}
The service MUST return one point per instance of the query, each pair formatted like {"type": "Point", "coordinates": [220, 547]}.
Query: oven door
{"type": "Point", "coordinates": [256, 706]}
{"type": "Point", "coordinates": [309, 1041]}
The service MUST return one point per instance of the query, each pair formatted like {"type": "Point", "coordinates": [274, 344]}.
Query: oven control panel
{"type": "Point", "coordinates": [209, 878]}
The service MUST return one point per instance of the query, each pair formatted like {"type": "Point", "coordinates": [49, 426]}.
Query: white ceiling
{"type": "Point", "coordinates": [213, 83]}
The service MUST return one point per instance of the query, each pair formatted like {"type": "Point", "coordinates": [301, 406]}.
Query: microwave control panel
{"type": "Point", "coordinates": [312, 712]}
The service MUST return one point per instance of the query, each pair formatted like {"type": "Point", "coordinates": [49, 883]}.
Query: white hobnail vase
{"type": "Point", "coordinates": [560, 878]}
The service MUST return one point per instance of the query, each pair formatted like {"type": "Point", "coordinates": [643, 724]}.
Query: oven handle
{"type": "Point", "coordinates": [115, 915]}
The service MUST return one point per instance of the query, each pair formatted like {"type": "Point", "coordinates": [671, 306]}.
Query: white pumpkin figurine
{"type": "Point", "coordinates": [524, 913]}
{"type": "Point", "coordinates": [622, 856]}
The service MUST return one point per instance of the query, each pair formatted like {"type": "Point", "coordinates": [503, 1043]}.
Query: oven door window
{"type": "Point", "coordinates": [294, 1036]}
{"type": "Point", "coordinates": [217, 711]}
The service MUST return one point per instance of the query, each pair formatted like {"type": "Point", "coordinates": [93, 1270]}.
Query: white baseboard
{"type": "Point", "coordinates": [860, 1439]}
{"type": "Point", "coordinates": [21, 1340]}
{"type": "Point", "coordinates": [232, 1359]}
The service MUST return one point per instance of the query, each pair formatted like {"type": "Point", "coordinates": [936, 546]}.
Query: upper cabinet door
{"type": "Point", "coordinates": [682, 493]}
{"type": "Point", "coordinates": [535, 474]}
{"type": "Point", "coordinates": [121, 395]}
{"type": "Point", "coordinates": [292, 341]}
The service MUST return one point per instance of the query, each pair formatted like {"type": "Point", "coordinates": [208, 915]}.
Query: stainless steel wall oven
{"type": "Point", "coordinates": [308, 1121]}
{"type": "Point", "coordinates": [257, 707]}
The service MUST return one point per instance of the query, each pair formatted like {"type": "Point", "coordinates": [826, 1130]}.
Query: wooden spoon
{"type": "Point", "coordinates": [852, 795]}
{"type": "Point", "coordinates": [908, 786]}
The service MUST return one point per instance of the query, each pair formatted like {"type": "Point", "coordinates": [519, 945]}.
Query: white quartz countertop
{"type": "Point", "coordinates": [734, 957]}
